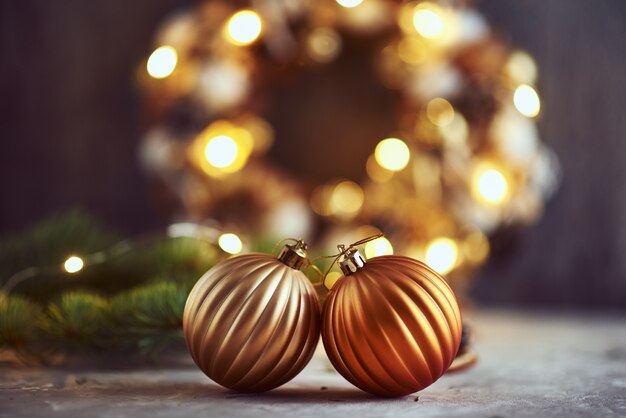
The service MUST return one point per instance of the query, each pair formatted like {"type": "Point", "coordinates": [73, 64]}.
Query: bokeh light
{"type": "Point", "coordinates": [521, 68]}
{"type": "Point", "coordinates": [475, 247]}
{"type": "Point", "coordinates": [222, 148]}
{"type": "Point", "coordinates": [442, 254]}
{"type": "Point", "coordinates": [392, 154]}
{"type": "Point", "coordinates": [162, 62]}
{"type": "Point", "coordinates": [379, 246]}
{"type": "Point", "coordinates": [349, 3]}
{"type": "Point", "coordinates": [526, 101]}
{"type": "Point", "coordinates": [323, 45]}
{"type": "Point", "coordinates": [489, 185]}
{"type": "Point", "coordinates": [376, 172]}
{"type": "Point", "coordinates": [440, 112]}
{"type": "Point", "coordinates": [230, 243]}
{"type": "Point", "coordinates": [221, 151]}
{"type": "Point", "coordinates": [73, 264]}
{"type": "Point", "coordinates": [244, 27]}
{"type": "Point", "coordinates": [428, 21]}
{"type": "Point", "coordinates": [346, 199]}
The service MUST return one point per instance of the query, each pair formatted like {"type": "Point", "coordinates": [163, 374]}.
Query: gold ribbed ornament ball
{"type": "Point", "coordinates": [252, 322]}
{"type": "Point", "coordinates": [391, 325]}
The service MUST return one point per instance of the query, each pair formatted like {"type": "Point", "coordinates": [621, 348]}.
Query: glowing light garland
{"type": "Point", "coordinates": [465, 158]}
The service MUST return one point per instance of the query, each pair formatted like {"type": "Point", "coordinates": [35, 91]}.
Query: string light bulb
{"type": "Point", "coordinates": [244, 27]}
{"type": "Point", "coordinates": [442, 254]}
{"type": "Point", "coordinates": [162, 62]}
{"type": "Point", "coordinates": [526, 100]}
{"type": "Point", "coordinates": [230, 243]}
{"type": "Point", "coordinates": [73, 264]}
{"type": "Point", "coordinates": [392, 154]}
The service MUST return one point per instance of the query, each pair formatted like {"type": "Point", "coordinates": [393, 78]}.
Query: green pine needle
{"type": "Point", "coordinates": [20, 321]}
{"type": "Point", "coordinates": [156, 306]}
{"type": "Point", "coordinates": [78, 317]}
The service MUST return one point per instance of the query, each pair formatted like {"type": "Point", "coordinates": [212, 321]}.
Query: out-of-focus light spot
{"type": "Point", "coordinates": [331, 279]}
{"type": "Point", "coordinates": [73, 264]}
{"type": "Point", "coordinates": [320, 200]}
{"type": "Point", "coordinates": [476, 247]}
{"type": "Point", "coordinates": [323, 45]}
{"type": "Point", "coordinates": [526, 101]}
{"type": "Point", "coordinates": [244, 27]}
{"type": "Point", "coordinates": [428, 21]}
{"type": "Point", "coordinates": [349, 4]}
{"type": "Point", "coordinates": [442, 254]}
{"type": "Point", "coordinates": [521, 68]}
{"type": "Point", "coordinates": [379, 246]}
{"type": "Point", "coordinates": [440, 112]}
{"type": "Point", "coordinates": [411, 49]}
{"type": "Point", "coordinates": [230, 243]}
{"type": "Point", "coordinates": [162, 62]}
{"type": "Point", "coordinates": [347, 199]}
{"type": "Point", "coordinates": [490, 185]}
{"type": "Point", "coordinates": [392, 154]}
{"type": "Point", "coordinates": [376, 172]}
{"type": "Point", "coordinates": [221, 151]}
{"type": "Point", "coordinates": [222, 84]}
{"type": "Point", "coordinates": [456, 132]}
{"type": "Point", "coordinates": [222, 148]}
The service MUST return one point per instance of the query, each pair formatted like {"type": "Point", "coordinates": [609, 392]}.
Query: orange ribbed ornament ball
{"type": "Point", "coordinates": [252, 322]}
{"type": "Point", "coordinates": [391, 325]}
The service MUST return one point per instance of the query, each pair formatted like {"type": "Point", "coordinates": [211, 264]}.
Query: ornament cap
{"type": "Point", "coordinates": [294, 255]}
{"type": "Point", "coordinates": [351, 260]}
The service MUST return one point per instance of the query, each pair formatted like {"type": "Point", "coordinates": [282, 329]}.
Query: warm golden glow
{"type": "Point", "coordinates": [442, 254]}
{"type": "Point", "coordinates": [320, 198]}
{"type": "Point", "coordinates": [222, 148]}
{"type": "Point", "coordinates": [346, 199]}
{"type": "Point", "coordinates": [73, 264]}
{"type": "Point", "coordinates": [376, 172]}
{"type": "Point", "coordinates": [379, 246]}
{"type": "Point", "coordinates": [456, 132]}
{"type": "Point", "coordinates": [244, 27]}
{"type": "Point", "coordinates": [392, 154]}
{"type": "Point", "coordinates": [323, 45]}
{"type": "Point", "coordinates": [349, 3]}
{"type": "Point", "coordinates": [162, 62]}
{"type": "Point", "coordinates": [440, 112]}
{"type": "Point", "coordinates": [527, 101]}
{"type": "Point", "coordinates": [521, 68]}
{"type": "Point", "coordinates": [476, 247]}
{"type": "Point", "coordinates": [331, 279]}
{"type": "Point", "coordinates": [221, 151]}
{"type": "Point", "coordinates": [428, 21]}
{"type": "Point", "coordinates": [412, 50]}
{"type": "Point", "coordinates": [230, 243]}
{"type": "Point", "coordinates": [489, 185]}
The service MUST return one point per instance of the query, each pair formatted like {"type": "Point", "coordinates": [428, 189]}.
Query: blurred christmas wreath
{"type": "Point", "coordinates": [463, 161]}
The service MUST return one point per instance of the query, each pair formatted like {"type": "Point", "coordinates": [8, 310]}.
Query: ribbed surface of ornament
{"type": "Point", "coordinates": [393, 327]}
{"type": "Point", "coordinates": [251, 323]}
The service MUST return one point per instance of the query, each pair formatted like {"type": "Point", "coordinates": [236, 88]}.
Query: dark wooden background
{"type": "Point", "coordinates": [70, 112]}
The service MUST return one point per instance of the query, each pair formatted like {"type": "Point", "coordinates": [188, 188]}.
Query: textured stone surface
{"type": "Point", "coordinates": [530, 365]}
